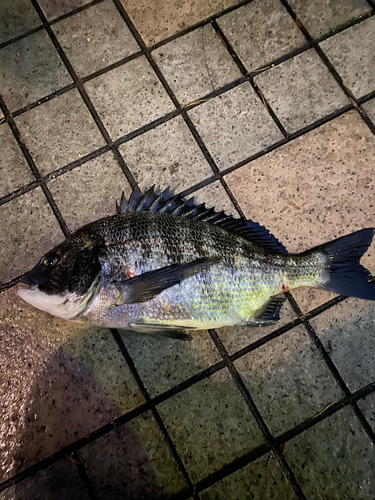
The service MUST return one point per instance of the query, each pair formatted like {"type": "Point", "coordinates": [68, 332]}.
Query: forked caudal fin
{"type": "Point", "coordinates": [346, 275]}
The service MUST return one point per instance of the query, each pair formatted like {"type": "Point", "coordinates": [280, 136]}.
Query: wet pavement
{"type": "Point", "coordinates": [263, 108]}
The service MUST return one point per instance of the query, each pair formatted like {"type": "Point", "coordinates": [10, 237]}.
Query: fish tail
{"type": "Point", "coordinates": [343, 274]}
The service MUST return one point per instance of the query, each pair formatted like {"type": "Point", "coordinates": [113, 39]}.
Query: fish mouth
{"type": "Point", "coordinates": [28, 282]}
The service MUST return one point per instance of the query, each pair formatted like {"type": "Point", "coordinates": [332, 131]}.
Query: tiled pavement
{"type": "Point", "coordinates": [263, 108]}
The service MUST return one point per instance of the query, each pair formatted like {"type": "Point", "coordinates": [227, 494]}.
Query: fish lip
{"type": "Point", "coordinates": [27, 282]}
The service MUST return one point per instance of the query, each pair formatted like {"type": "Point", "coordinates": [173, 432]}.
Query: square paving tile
{"type": "Point", "coordinates": [60, 480]}
{"type": "Point", "coordinates": [322, 16]}
{"type": "Point", "coordinates": [165, 363]}
{"type": "Point", "coordinates": [133, 462]}
{"type": "Point", "coordinates": [348, 328]}
{"type": "Point", "coordinates": [167, 155]}
{"type": "Point", "coordinates": [61, 381]}
{"type": "Point", "coordinates": [14, 169]}
{"type": "Point", "coordinates": [89, 192]}
{"type": "Point", "coordinates": [369, 107]}
{"type": "Point", "coordinates": [261, 32]}
{"type": "Point", "coordinates": [235, 125]}
{"type": "Point", "coordinates": [261, 479]}
{"type": "Point", "coordinates": [210, 425]}
{"type": "Point", "coordinates": [56, 9]}
{"type": "Point", "coordinates": [129, 97]}
{"type": "Point", "coordinates": [367, 405]}
{"type": "Point", "coordinates": [95, 38]}
{"type": "Point", "coordinates": [313, 189]}
{"type": "Point", "coordinates": [30, 69]}
{"type": "Point", "coordinates": [288, 380]}
{"type": "Point", "coordinates": [17, 17]}
{"type": "Point", "coordinates": [59, 132]}
{"type": "Point", "coordinates": [159, 20]}
{"type": "Point", "coordinates": [301, 90]}
{"type": "Point", "coordinates": [29, 230]}
{"type": "Point", "coordinates": [353, 56]}
{"type": "Point", "coordinates": [214, 195]}
{"type": "Point", "coordinates": [334, 459]}
{"type": "Point", "coordinates": [196, 64]}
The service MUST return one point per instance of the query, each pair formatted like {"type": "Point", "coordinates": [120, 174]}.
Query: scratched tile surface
{"type": "Point", "coordinates": [229, 102]}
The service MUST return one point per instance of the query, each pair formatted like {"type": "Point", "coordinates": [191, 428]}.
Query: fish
{"type": "Point", "coordinates": [166, 266]}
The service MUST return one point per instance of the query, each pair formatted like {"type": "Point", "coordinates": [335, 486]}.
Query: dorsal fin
{"type": "Point", "coordinates": [167, 202]}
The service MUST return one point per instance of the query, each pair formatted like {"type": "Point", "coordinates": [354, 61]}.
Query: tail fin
{"type": "Point", "coordinates": [346, 275]}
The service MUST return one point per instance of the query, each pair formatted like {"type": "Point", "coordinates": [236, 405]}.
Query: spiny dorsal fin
{"type": "Point", "coordinates": [167, 202]}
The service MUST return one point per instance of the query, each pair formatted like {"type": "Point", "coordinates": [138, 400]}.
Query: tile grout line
{"type": "Point", "coordinates": [83, 475]}
{"type": "Point", "coordinates": [155, 412]}
{"type": "Point", "coordinates": [257, 416]}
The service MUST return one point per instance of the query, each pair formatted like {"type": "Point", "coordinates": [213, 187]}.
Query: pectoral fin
{"type": "Point", "coordinates": [148, 285]}
{"type": "Point", "coordinates": [173, 332]}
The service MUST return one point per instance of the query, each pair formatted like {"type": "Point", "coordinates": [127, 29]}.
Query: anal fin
{"type": "Point", "coordinates": [168, 331]}
{"type": "Point", "coordinates": [270, 313]}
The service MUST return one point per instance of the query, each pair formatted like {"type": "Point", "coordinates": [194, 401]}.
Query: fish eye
{"type": "Point", "coordinates": [50, 261]}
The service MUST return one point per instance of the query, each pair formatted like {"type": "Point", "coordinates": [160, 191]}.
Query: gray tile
{"type": "Point", "coordinates": [367, 405]}
{"type": "Point", "coordinates": [234, 125]}
{"type": "Point", "coordinates": [17, 17]}
{"type": "Point", "coordinates": [133, 462]}
{"type": "Point", "coordinates": [165, 363]}
{"type": "Point", "coordinates": [261, 32]}
{"type": "Point", "coordinates": [158, 20]}
{"type": "Point", "coordinates": [167, 155]}
{"type": "Point", "coordinates": [369, 107]}
{"type": "Point", "coordinates": [334, 459]}
{"type": "Point", "coordinates": [237, 337]}
{"type": "Point", "coordinates": [14, 170]}
{"type": "Point", "coordinates": [210, 425]}
{"type": "Point", "coordinates": [348, 327]}
{"type": "Point", "coordinates": [288, 380]}
{"type": "Point", "coordinates": [29, 230]}
{"type": "Point", "coordinates": [353, 56]}
{"type": "Point", "coordinates": [301, 90]}
{"type": "Point", "coordinates": [60, 381]}
{"type": "Point", "coordinates": [129, 97]}
{"type": "Point", "coordinates": [89, 192]}
{"type": "Point", "coordinates": [56, 9]}
{"type": "Point", "coordinates": [60, 480]}
{"type": "Point", "coordinates": [59, 132]}
{"type": "Point", "coordinates": [30, 69]}
{"type": "Point", "coordinates": [95, 38]}
{"type": "Point", "coordinates": [322, 16]}
{"type": "Point", "coordinates": [314, 189]}
{"type": "Point", "coordinates": [261, 479]}
{"type": "Point", "coordinates": [196, 64]}
{"type": "Point", "coordinates": [214, 195]}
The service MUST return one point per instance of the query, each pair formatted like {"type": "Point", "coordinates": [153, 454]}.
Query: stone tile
{"type": "Point", "coordinates": [30, 69]}
{"type": "Point", "coordinates": [60, 382]}
{"type": "Point", "coordinates": [369, 107]}
{"type": "Point", "coordinates": [14, 170]}
{"type": "Point", "coordinates": [158, 20]}
{"type": "Point", "coordinates": [288, 380]}
{"type": "Point", "coordinates": [334, 459]}
{"type": "Point", "coordinates": [367, 405]}
{"type": "Point", "coordinates": [196, 64]}
{"type": "Point", "coordinates": [89, 192]}
{"type": "Point", "coordinates": [60, 480]}
{"type": "Point", "coordinates": [301, 90]}
{"type": "Point", "coordinates": [210, 425]}
{"type": "Point", "coordinates": [59, 132]}
{"type": "Point", "coordinates": [214, 195]}
{"type": "Point", "coordinates": [261, 32]}
{"type": "Point", "coordinates": [167, 155]}
{"type": "Point", "coordinates": [236, 337]}
{"type": "Point", "coordinates": [328, 174]}
{"type": "Point", "coordinates": [261, 479]}
{"type": "Point", "coordinates": [95, 38]}
{"type": "Point", "coordinates": [56, 9]}
{"type": "Point", "coordinates": [349, 327]}
{"type": "Point", "coordinates": [129, 97]}
{"type": "Point", "coordinates": [165, 363]}
{"type": "Point", "coordinates": [17, 17]}
{"type": "Point", "coordinates": [351, 52]}
{"type": "Point", "coordinates": [29, 229]}
{"type": "Point", "coordinates": [234, 125]}
{"type": "Point", "coordinates": [133, 462]}
{"type": "Point", "coordinates": [322, 16]}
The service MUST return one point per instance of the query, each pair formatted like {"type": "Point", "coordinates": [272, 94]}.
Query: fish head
{"type": "Point", "coordinates": [67, 278]}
